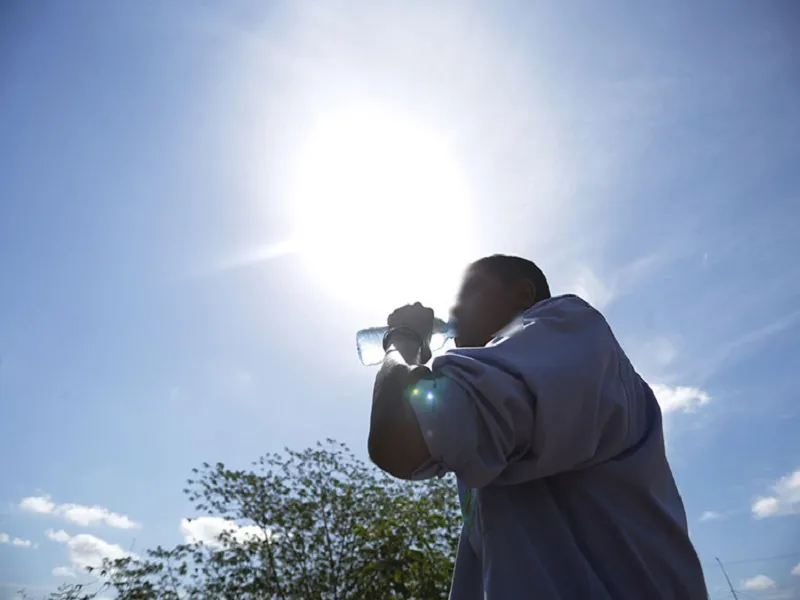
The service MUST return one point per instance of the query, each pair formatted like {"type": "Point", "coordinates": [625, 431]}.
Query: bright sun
{"type": "Point", "coordinates": [380, 210]}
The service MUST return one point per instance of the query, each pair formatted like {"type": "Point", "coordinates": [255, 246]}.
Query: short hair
{"type": "Point", "coordinates": [510, 269]}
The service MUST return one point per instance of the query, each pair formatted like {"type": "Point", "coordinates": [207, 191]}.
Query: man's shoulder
{"type": "Point", "coordinates": [559, 304]}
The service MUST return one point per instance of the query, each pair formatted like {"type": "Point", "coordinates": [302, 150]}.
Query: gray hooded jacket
{"type": "Point", "coordinates": [557, 445]}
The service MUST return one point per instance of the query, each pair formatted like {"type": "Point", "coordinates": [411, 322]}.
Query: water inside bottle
{"type": "Point", "coordinates": [370, 346]}
{"type": "Point", "coordinates": [369, 342]}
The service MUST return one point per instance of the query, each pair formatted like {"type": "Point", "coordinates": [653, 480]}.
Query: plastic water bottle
{"type": "Point", "coordinates": [369, 342]}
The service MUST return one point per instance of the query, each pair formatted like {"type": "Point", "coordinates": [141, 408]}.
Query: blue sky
{"type": "Point", "coordinates": [174, 288]}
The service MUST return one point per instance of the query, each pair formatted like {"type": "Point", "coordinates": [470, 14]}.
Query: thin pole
{"type": "Point", "coordinates": [728, 579]}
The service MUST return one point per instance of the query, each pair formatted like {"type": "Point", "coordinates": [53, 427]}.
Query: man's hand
{"type": "Point", "coordinates": [396, 443]}
{"type": "Point", "coordinates": [415, 318]}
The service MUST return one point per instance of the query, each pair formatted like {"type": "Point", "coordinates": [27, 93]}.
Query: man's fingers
{"type": "Point", "coordinates": [416, 316]}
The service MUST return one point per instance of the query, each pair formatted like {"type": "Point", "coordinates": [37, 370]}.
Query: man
{"type": "Point", "coordinates": [556, 443]}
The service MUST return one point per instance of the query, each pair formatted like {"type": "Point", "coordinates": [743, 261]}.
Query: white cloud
{"type": "Point", "coordinates": [680, 398]}
{"type": "Point", "coordinates": [18, 542]}
{"type": "Point", "coordinates": [64, 572]}
{"type": "Point", "coordinates": [57, 536]}
{"type": "Point", "coordinates": [796, 570]}
{"type": "Point", "coordinates": [77, 513]}
{"type": "Point", "coordinates": [785, 499]}
{"type": "Point", "coordinates": [87, 515]}
{"type": "Point", "coordinates": [86, 550]}
{"type": "Point", "coordinates": [89, 551]}
{"type": "Point", "coordinates": [765, 507]}
{"type": "Point", "coordinates": [208, 529]}
{"type": "Point", "coordinates": [37, 504]}
{"type": "Point", "coordinates": [759, 583]}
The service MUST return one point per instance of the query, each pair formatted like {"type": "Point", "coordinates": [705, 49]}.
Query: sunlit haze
{"type": "Point", "coordinates": [381, 210]}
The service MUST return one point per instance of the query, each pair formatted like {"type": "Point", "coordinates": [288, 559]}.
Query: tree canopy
{"type": "Point", "coordinates": [312, 524]}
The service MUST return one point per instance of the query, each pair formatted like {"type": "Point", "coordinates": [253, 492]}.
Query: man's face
{"type": "Point", "coordinates": [483, 307]}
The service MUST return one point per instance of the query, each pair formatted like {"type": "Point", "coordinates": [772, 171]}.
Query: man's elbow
{"type": "Point", "coordinates": [388, 459]}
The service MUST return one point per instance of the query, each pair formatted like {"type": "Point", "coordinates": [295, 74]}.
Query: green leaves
{"type": "Point", "coordinates": [313, 524]}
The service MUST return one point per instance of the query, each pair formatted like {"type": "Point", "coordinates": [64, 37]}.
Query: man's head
{"type": "Point", "coordinates": [495, 289]}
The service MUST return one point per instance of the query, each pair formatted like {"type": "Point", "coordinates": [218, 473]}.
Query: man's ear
{"type": "Point", "coordinates": [525, 294]}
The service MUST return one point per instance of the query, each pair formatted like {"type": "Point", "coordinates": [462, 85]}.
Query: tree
{"type": "Point", "coordinates": [316, 524]}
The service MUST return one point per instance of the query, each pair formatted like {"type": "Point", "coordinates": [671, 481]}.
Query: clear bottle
{"type": "Point", "coordinates": [369, 342]}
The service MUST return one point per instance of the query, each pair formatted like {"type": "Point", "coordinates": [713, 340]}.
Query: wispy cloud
{"type": "Point", "coordinates": [680, 398]}
{"type": "Point", "coordinates": [585, 283]}
{"type": "Point", "coordinates": [603, 286]}
{"type": "Point", "coordinates": [57, 536]}
{"type": "Point", "coordinates": [746, 342]}
{"type": "Point", "coordinates": [64, 572]}
{"type": "Point", "coordinates": [712, 515]}
{"type": "Point", "coordinates": [759, 334]}
{"type": "Point", "coordinates": [784, 499]}
{"type": "Point", "coordinates": [15, 541]}
{"type": "Point", "coordinates": [77, 513]}
{"type": "Point", "coordinates": [251, 257]}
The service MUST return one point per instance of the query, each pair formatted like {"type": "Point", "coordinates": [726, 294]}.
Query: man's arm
{"type": "Point", "coordinates": [396, 444]}
{"type": "Point", "coordinates": [556, 395]}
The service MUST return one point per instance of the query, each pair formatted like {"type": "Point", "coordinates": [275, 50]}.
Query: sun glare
{"type": "Point", "coordinates": [380, 210]}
